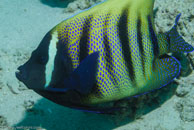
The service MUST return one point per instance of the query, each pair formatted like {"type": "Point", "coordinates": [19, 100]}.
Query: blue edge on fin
{"type": "Point", "coordinates": [100, 111]}
{"type": "Point", "coordinates": [177, 19]}
{"type": "Point", "coordinates": [164, 84]}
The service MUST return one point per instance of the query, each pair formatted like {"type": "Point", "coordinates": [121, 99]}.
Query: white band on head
{"type": "Point", "coordinates": [52, 51]}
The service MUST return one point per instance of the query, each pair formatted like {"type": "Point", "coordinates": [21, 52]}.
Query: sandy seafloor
{"type": "Point", "coordinates": [23, 23]}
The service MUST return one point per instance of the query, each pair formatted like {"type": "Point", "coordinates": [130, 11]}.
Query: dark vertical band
{"type": "Point", "coordinates": [124, 37]}
{"type": "Point", "coordinates": [107, 49]}
{"type": "Point", "coordinates": [140, 43]}
{"type": "Point", "coordinates": [153, 37]}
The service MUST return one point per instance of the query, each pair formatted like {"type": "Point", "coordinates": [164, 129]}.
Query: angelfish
{"type": "Point", "coordinates": [103, 54]}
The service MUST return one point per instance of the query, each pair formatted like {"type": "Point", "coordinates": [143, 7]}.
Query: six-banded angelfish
{"type": "Point", "coordinates": [106, 53]}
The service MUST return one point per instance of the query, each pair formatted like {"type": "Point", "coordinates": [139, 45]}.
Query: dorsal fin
{"type": "Point", "coordinates": [176, 41]}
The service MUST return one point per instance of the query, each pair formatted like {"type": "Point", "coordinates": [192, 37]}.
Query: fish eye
{"type": "Point", "coordinates": [42, 60]}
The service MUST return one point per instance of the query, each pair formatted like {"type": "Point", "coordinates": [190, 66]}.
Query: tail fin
{"type": "Point", "coordinates": [176, 42]}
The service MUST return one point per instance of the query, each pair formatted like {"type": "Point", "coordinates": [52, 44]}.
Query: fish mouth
{"type": "Point", "coordinates": [21, 74]}
{"type": "Point", "coordinates": [18, 75]}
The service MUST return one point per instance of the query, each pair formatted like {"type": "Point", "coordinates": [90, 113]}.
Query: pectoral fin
{"type": "Point", "coordinates": [86, 72]}
{"type": "Point", "coordinates": [167, 68]}
{"type": "Point", "coordinates": [83, 77]}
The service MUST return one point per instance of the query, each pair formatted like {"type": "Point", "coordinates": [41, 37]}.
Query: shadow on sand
{"type": "Point", "coordinates": [51, 116]}
{"type": "Point", "coordinates": [56, 3]}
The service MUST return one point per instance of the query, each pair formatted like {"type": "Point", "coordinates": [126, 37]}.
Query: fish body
{"type": "Point", "coordinates": [106, 53]}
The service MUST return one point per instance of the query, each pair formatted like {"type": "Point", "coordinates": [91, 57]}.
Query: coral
{"type": "Point", "coordinates": [28, 104]}
{"type": "Point", "coordinates": [187, 111]}
{"type": "Point", "coordinates": [185, 105]}
{"type": "Point", "coordinates": [3, 122]}
{"type": "Point", "coordinates": [185, 85]}
{"type": "Point", "coordinates": [167, 13]}
{"type": "Point", "coordinates": [80, 5]}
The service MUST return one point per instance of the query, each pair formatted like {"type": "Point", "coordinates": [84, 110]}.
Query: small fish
{"type": "Point", "coordinates": [106, 53]}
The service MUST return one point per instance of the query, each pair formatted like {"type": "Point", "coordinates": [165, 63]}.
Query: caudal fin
{"type": "Point", "coordinates": [176, 41]}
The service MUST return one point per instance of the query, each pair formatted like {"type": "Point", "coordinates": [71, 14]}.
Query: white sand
{"type": "Point", "coordinates": [23, 23]}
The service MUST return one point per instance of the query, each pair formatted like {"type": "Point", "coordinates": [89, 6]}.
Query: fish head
{"type": "Point", "coordinates": [32, 73]}
{"type": "Point", "coordinates": [47, 68]}
{"type": "Point", "coordinates": [47, 65]}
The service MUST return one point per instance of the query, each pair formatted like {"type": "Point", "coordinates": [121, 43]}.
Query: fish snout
{"type": "Point", "coordinates": [21, 74]}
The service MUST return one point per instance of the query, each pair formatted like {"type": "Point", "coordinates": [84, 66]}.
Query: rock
{"type": "Point", "coordinates": [179, 106]}
{"type": "Point", "coordinates": [179, 128]}
{"type": "Point", "coordinates": [183, 90]}
{"type": "Point", "coordinates": [185, 85]}
{"type": "Point", "coordinates": [187, 113]}
{"type": "Point", "coordinates": [21, 57]}
{"type": "Point", "coordinates": [166, 15]}
{"type": "Point", "coordinates": [80, 4]}
{"type": "Point", "coordinates": [1, 68]}
{"type": "Point", "coordinates": [3, 122]}
{"type": "Point", "coordinates": [28, 104]}
{"type": "Point", "coordinates": [159, 127]}
{"type": "Point", "coordinates": [191, 58]}
{"type": "Point", "coordinates": [13, 86]}
{"type": "Point", "coordinates": [1, 85]}
{"type": "Point", "coordinates": [71, 7]}
{"type": "Point", "coordinates": [186, 107]}
{"type": "Point", "coordinates": [22, 87]}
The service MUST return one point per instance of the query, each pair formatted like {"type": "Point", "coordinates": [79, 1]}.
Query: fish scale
{"type": "Point", "coordinates": [107, 67]}
{"type": "Point", "coordinates": [105, 53]}
{"type": "Point", "coordinates": [147, 47]}
{"type": "Point", "coordinates": [133, 73]}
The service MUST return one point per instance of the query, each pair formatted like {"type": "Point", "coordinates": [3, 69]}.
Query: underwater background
{"type": "Point", "coordinates": [23, 23]}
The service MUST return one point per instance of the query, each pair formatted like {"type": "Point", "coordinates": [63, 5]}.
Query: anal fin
{"type": "Point", "coordinates": [167, 69]}
{"type": "Point", "coordinates": [185, 63]}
